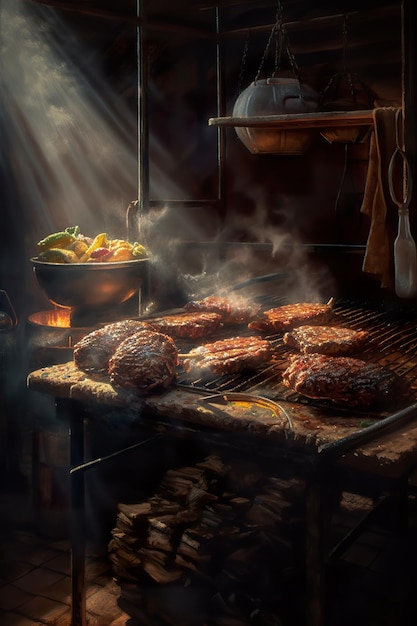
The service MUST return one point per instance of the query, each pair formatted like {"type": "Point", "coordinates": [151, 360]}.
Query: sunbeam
{"type": "Point", "coordinates": [71, 139]}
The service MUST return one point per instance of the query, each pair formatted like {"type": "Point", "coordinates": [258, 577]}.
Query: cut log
{"type": "Point", "coordinates": [212, 529]}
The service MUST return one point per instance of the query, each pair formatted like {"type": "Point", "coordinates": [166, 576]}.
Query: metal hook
{"type": "Point", "coordinates": [408, 186]}
{"type": "Point", "coordinates": [408, 182]}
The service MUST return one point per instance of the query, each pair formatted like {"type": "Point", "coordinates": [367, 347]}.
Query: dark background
{"type": "Point", "coordinates": [313, 198]}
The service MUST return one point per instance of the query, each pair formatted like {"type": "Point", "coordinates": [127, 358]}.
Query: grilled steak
{"type": "Point", "coordinates": [332, 340]}
{"type": "Point", "coordinates": [188, 325]}
{"type": "Point", "coordinates": [92, 352]}
{"type": "Point", "coordinates": [283, 318]}
{"type": "Point", "coordinates": [228, 356]}
{"type": "Point", "coordinates": [342, 380]}
{"type": "Point", "coordinates": [233, 311]}
{"type": "Point", "coordinates": [145, 361]}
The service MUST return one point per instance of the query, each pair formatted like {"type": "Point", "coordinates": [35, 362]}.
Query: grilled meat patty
{"type": "Point", "coordinates": [342, 380]}
{"type": "Point", "coordinates": [145, 361]}
{"type": "Point", "coordinates": [233, 311]}
{"type": "Point", "coordinates": [332, 340]}
{"type": "Point", "coordinates": [188, 325]}
{"type": "Point", "coordinates": [228, 356]}
{"type": "Point", "coordinates": [92, 352]}
{"type": "Point", "coordinates": [287, 316]}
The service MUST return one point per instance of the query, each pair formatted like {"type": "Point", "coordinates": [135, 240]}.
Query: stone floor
{"type": "Point", "coordinates": [372, 584]}
{"type": "Point", "coordinates": [35, 583]}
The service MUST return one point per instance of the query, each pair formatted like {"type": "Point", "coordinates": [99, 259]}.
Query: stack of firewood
{"type": "Point", "coordinates": [215, 544]}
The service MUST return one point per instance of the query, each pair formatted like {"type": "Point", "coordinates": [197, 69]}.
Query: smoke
{"type": "Point", "coordinates": [71, 149]}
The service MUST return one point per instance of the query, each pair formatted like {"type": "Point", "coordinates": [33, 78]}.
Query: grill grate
{"type": "Point", "coordinates": [393, 344]}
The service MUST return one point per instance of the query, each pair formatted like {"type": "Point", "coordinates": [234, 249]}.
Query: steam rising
{"type": "Point", "coordinates": [72, 149]}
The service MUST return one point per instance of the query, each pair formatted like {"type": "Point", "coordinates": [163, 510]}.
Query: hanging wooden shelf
{"type": "Point", "coordinates": [322, 119]}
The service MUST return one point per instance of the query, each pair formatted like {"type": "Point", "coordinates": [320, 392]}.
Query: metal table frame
{"type": "Point", "coordinates": [318, 483]}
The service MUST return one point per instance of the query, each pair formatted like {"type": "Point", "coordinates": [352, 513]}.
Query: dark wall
{"type": "Point", "coordinates": [315, 197]}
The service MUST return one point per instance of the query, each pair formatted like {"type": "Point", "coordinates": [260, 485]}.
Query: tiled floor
{"type": "Point", "coordinates": [35, 584]}
{"type": "Point", "coordinates": [369, 585]}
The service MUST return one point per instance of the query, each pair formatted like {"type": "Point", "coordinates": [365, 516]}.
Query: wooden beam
{"type": "Point", "coordinates": [334, 119]}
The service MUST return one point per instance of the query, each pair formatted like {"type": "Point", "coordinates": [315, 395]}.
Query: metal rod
{"type": "Point", "coordinates": [255, 245]}
{"type": "Point", "coordinates": [348, 539]}
{"type": "Point", "coordinates": [221, 110]}
{"type": "Point", "coordinates": [72, 412]}
{"type": "Point", "coordinates": [368, 434]}
{"type": "Point", "coordinates": [409, 69]}
{"type": "Point", "coordinates": [90, 464]}
{"type": "Point", "coordinates": [143, 120]}
{"type": "Point", "coordinates": [314, 547]}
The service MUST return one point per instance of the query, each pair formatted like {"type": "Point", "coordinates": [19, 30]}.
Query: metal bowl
{"type": "Point", "coordinates": [90, 285]}
{"type": "Point", "coordinates": [275, 96]}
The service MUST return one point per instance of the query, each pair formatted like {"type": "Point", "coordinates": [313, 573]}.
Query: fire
{"type": "Point", "coordinates": [56, 318]}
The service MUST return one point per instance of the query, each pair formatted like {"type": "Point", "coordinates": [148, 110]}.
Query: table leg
{"type": "Point", "coordinates": [73, 412]}
{"type": "Point", "coordinates": [315, 550]}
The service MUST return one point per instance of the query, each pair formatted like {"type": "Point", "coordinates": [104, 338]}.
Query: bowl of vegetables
{"type": "Point", "coordinates": [78, 271]}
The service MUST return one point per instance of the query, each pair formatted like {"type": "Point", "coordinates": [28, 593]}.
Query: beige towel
{"type": "Point", "coordinates": [377, 203]}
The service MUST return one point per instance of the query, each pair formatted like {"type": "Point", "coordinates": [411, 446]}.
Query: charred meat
{"type": "Point", "coordinates": [188, 325]}
{"type": "Point", "coordinates": [287, 316]}
{"type": "Point", "coordinates": [342, 380]}
{"type": "Point", "coordinates": [145, 361]}
{"type": "Point", "coordinates": [331, 340]}
{"type": "Point", "coordinates": [92, 352]}
{"type": "Point", "coordinates": [233, 311]}
{"type": "Point", "coordinates": [228, 356]}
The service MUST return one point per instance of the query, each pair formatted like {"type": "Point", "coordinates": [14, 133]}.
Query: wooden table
{"type": "Point", "coordinates": [386, 453]}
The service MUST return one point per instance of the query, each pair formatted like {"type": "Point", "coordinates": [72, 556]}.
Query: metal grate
{"type": "Point", "coordinates": [393, 344]}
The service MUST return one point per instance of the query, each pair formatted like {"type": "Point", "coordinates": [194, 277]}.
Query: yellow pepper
{"type": "Point", "coordinates": [99, 242]}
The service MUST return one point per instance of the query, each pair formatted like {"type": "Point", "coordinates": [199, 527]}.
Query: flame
{"type": "Point", "coordinates": [56, 318]}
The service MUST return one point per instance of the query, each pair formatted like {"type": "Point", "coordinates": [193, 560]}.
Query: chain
{"type": "Point", "coordinates": [265, 54]}
{"type": "Point", "coordinates": [279, 32]}
{"type": "Point", "coordinates": [243, 65]}
{"type": "Point", "coordinates": [291, 58]}
{"type": "Point", "coordinates": [352, 79]}
{"type": "Point", "coordinates": [345, 44]}
{"type": "Point", "coordinates": [281, 39]}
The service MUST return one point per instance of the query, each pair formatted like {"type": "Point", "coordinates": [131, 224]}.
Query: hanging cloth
{"type": "Point", "coordinates": [377, 202]}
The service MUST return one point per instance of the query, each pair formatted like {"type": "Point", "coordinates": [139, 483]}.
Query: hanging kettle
{"type": "Point", "coordinates": [275, 96]}
{"type": "Point", "coordinates": [346, 91]}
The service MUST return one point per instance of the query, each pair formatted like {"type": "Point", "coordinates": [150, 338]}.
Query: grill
{"type": "Point", "coordinates": [315, 455]}
{"type": "Point", "coordinates": [313, 425]}
{"type": "Point", "coordinates": [393, 343]}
